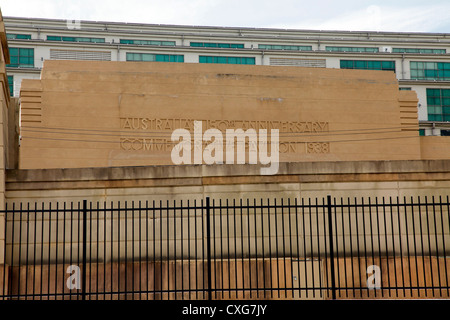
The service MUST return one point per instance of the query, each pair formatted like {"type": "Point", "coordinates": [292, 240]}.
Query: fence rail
{"type": "Point", "coordinates": [328, 248]}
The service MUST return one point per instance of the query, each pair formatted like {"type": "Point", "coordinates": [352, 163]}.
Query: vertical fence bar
{"type": "Point", "coordinates": [27, 249]}
{"type": "Point", "coordinates": [335, 206]}
{"type": "Point", "coordinates": [312, 250]}
{"type": "Point", "coordinates": [363, 213]}
{"type": "Point", "coordinates": [34, 249]}
{"type": "Point", "coordinates": [56, 252]}
{"type": "Point", "coordinates": [276, 247]}
{"type": "Point", "coordinates": [126, 250]}
{"type": "Point", "coordinates": [249, 251]}
{"type": "Point", "coordinates": [290, 247]}
{"type": "Point", "coordinates": [20, 252]}
{"type": "Point", "coordinates": [203, 248]}
{"type": "Point", "coordinates": [221, 246]}
{"type": "Point", "coordinates": [104, 251]}
{"type": "Point", "coordinates": [330, 235]}
{"type": "Point", "coordinates": [4, 253]}
{"type": "Point", "coordinates": [228, 251]}
{"type": "Point", "coordinates": [324, 208]}
{"type": "Point", "coordinates": [343, 247]}
{"type": "Point", "coordinates": [12, 250]}
{"type": "Point", "coordinates": [90, 251]}
{"type": "Point", "coordinates": [316, 206]}
{"type": "Point", "coordinates": [168, 249]}
{"type": "Point", "coordinates": [407, 247]}
{"type": "Point", "coordinates": [83, 283]}
{"type": "Point", "coordinates": [437, 245]}
{"type": "Point", "coordinates": [235, 248]}
{"type": "Point", "coordinates": [415, 247]}
{"type": "Point", "coordinates": [421, 245]}
{"type": "Point", "coordinates": [214, 248]}
{"type": "Point", "coordinates": [64, 248]}
{"type": "Point", "coordinates": [443, 244]}
{"type": "Point", "coordinates": [147, 241]}
{"type": "Point", "coordinates": [429, 244]}
{"type": "Point", "coordinates": [112, 249]}
{"type": "Point", "coordinates": [189, 250]}
{"type": "Point", "coordinates": [49, 248]}
{"type": "Point", "coordinates": [304, 253]}
{"type": "Point", "coordinates": [182, 250]}
{"type": "Point", "coordinates": [379, 242]}
{"type": "Point", "coordinates": [284, 247]}
{"type": "Point", "coordinates": [175, 248]}
{"type": "Point", "coordinates": [387, 248]}
{"type": "Point", "coordinates": [270, 249]}
{"type": "Point", "coordinates": [263, 248]}
{"type": "Point", "coordinates": [208, 246]}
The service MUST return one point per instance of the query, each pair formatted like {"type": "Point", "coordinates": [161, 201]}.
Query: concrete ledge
{"type": "Point", "coordinates": [197, 175]}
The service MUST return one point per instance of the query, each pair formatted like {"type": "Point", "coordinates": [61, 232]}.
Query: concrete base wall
{"type": "Point", "coordinates": [268, 279]}
{"type": "Point", "coordinates": [195, 182]}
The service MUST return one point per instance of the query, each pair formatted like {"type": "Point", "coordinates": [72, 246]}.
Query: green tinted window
{"type": "Point", "coordinates": [351, 49]}
{"type": "Point", "coordinates": [284, 47]}
{"type": "Point", "coordinates": [11, 85]}
{"type": "Point", "coordinates": [226, 60]}
{"type": "Point", "coordinates": [419, 50]}
{"type": "Point", "coordinates": [75, 39]}
{"type": "Point", "coordinates": [21, 57]}
{"type": "Point", "coordinates": [421, 132]}
{"type": "Point", "coordinates": [154, 57]}
{"type": "Point", "coordinates": [148, 42]}
{"type": "Point", "coordinates": [438, 104]}
{"type": "Point", "coordinates": [368, 65]}
{"type": "Point", "coordinates": [430, 70]}
{"type": "Point", "coordinates": [217, 45]}
{"type": "Point", "coordinates": [18, 36]}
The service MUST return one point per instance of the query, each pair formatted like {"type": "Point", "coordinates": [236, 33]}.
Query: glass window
{"type": "Point", "coordinates": [12, 36]}
{"type": "Point", "coordinates": [368, 65]}
{"type": "Point", "coordinates": [284, 47]}
{"type": "Point", "coordinates": [419, 50]}
{"type": "Point", "coordinates": [75, 39]}
{"type": "Point", "coordinates": [226, 60]}
{"type": "Point", "coordinates": [351, 49]}
{"type": "Point", "coordinates": [21, 57]}
{"type": "Point", "coordinates": [148, 42]}
{"type": "Point", "coordinates": [438, 104]}
{"type": "Point", "coordinates": [217, 45]}
{"type": "Point", "coordinates": [53, 38]}
{"type": "Point", "coordinates": [421, 132]}
{"type": "Point", "coordinates": [11, 85]}
{"type": "Point", "coordinates": [131, 56]}
{"type": "Point", "coordinates": [430, 70]}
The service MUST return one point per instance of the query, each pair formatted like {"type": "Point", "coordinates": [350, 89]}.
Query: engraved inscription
{"type": "Point", "coordinates": [143, 124]}
{"type": "Point", "coordinates": [318, 147]}
{"type": "Point", "coordinates": [161, 128]}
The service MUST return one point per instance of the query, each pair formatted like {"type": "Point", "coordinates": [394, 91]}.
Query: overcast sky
{"type": "Point", "coordinates": [362, 15]}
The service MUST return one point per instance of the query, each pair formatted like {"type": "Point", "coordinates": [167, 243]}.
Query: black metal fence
{"type": "Point", "coordinates": [325, 248]}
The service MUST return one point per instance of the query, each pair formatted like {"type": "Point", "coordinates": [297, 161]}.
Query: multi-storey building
{"type": "Point", "coordinates": [421, 61]}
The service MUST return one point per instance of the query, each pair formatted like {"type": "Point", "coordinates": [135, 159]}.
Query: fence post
{"type": "Point", "coordinates": [330, 235]}
{"type": "Point", "coordinates": [83, 283]}
{"type": "Point", "coordinates": [208, 246]}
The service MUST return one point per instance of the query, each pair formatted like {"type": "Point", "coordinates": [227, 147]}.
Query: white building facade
{"type": "Point", "coordinates": [421, 61]}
